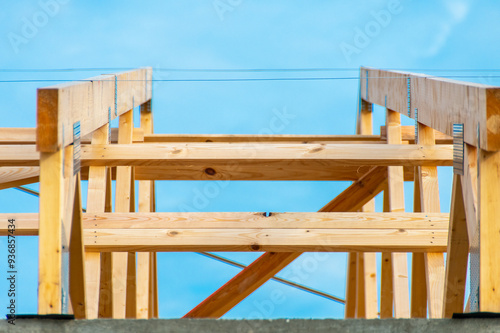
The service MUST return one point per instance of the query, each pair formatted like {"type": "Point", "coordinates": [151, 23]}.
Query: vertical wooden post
{"type": "Point", "coordinates": [386, 284]}
{"type": "Point", "coordinates": [120, 260]}
{"type": "Point", "coordinates": [361, 291]}
{"type": "Point", "coordinates": [50, 231]}
{"type": "Point", "coordinates": [144, 259]}
{"type": "Point", "coordinates": [429, 199]}
{"type": "Point", "coordinates": [396, 204]}
{"type": "Point", "coordinates": [489, 231]}
{"type": "Point", "coordinates": [457, 254]}
{"type": "Point", "coordinates": [106, 281]}
{"type": "Point", "coordinates": [96, 200]}
{"type": "Point", "coordinates": [77, 286]}
{"type": "Point", "coordinates": [418, 280]}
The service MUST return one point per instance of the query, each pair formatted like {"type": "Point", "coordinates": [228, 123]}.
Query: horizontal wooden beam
{"type": "Point", "coordinates": [440, 102]}
{"type": "Point", "coordinates": [232, 138]}
{"type": "Point", "coordinates": [27, 136]}
{"type": "Point", "coordinates": [18, 176]}
{"type": "Point", "coordinates": [278, 232]}
{"type": "Point", "coordinates": [283, 154]}
{"type": "Point", "coordinates": [92, 102]}
{"type": "Point", "coordinates": [408, 134]}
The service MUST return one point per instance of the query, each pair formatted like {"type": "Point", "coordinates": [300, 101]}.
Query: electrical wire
{"type": "Point", "coordinates": [247, 79]}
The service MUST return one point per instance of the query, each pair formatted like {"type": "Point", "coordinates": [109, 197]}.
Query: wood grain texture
{"type": "Point", "coordinates": [429, 200]}
{"type": "Point", "coordinates": [18, 176]}
{"type": "Point", "coordinates": [50, 240]}
{"type": "Point", "coordinates": [395, 191]}
{"type": "Point", "coordinates": [408, 134]}
{"type": "Point", "coordinates": [60, 106]}
{"type": "Point", "coordinates": [457, 253]}
{"type": "Point", "coordinates": [96, 200]}
{"type": "Point", "coordinates": [489, 228]}
{"type": "Point", "coordinates": [441, 102]}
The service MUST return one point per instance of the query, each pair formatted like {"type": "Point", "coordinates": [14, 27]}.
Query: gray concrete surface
{"type": "Point", "coordinates": [251, 326]}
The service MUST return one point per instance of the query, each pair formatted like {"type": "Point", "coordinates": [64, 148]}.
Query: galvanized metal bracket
{"type": "Point", "coordinates": [76, 148]}
{"type": "Point", "coordinates": [458, 149]}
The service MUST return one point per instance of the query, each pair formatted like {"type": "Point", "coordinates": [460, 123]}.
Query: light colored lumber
{"type": "Point", "coordinates": [408, 134]}
{"type": "Point", "coordinates": [395, 192]}
{"type": "Point", "coordinates": [441, 102]}
{"type": "Point", "coordinates": [280, 155]}
{"type": "Point", "coordinates": [250, 238]}
{"type": "Point", "coordinates": [429, 200]}
{"type": "Point", "coordinates": [386, 282]}
{"type": "Point", "coordinates": [489, 225]}
{"type": "Point", "coordinates": [233, 138]}
{"type": "Point", "coordinates": [122, 204]}
{"type": "Point", "coordinates": [351, 286]}
{"type": "Point", "coordinates": [145, 205]}
{"type": "Point", "coordinates": [77, 284]}
{"type": "Point", "coordinates": [308, 154]}
{"type": "Point", "coordinates": [27, 223]}
{"type": "Point", "coordinates": [470, 188]}
{"type": "Point", "coordinates": [60, 106]}
{"type": "Point", "coordinates": [49, 243]}
{"type": "Point", "coordinates": [18, 176]}
{"type": "Point", "coordinates": [418, 276]}
{"type": "Point", "coordinates": [96, 198]}
{"type": "Point", "coordinates": [457, 253]}
{"type": "Point", "coordinates": [369, 259]}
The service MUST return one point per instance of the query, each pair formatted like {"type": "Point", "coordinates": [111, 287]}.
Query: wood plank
{"type": "Point", "coordinates": [144, 259]}
{"type": "Point", "coordinates": [27, 223]}
{"type": "Point", "coordinates": [408, 134]}
{"type": "Point", "coordinates": [77, 283]}
{"type": "Point", "coordinates": [329, 155]}
{"type": "Point", "coordinates": [96, 199]}
{"type": "Point", "coordinates": [89, 102]}
{"type": "Point", "coordinates": [233, 138]}
{"type": "Point", "coordinates": [27, 136]}
{"type": "Point", "coordinates": [351, 286]}
{"type": "Point", "coordinates": [429, 199]}
{"type": "Point", "coordinates": [418, 277]}
{"type": "Point", "coordinates": [50, 242]}
{"type": "Point", "coordinates": [386, 283]}
{"type": "Point", "coordinates": [441, 102]}
{"type": "Point", "coordinates": [18, 176]}
{"type": "Point", "coordinates": [489, 231]}
{"type": "Point", "coordinates": [120, 261]}
{"type": "Point", "coordinates": [470, 188]}
{"type": "Point", "coordinates": [368, 272]}
{"type": "Point", "coordinates": [207, 153]}
{"type": "Point", "coordinates": [269, 239]}
{"type": "Point", "coordinates": [457, 254]}
{"type": "Point", "coordinates": [395, 187]}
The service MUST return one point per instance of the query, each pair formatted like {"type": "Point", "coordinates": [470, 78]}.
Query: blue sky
{"type": "Point", "coordinates": [238, 34]}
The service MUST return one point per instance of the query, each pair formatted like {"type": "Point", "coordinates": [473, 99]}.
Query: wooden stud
{"type": "Point", "coordinates": [77, 284]}
{"type": "Point", "coordinates": [429, 199]}
{"type": "Point", "coordinates": [396, 204]}
{"type": "Point", "coordinates": [49, 244]}
{"type": "Point", "coordinates": [457, 254]}
{"type": "Point", "coordinates": [120, 260]}
{"type": "Point", "coordinates": [489, 228]}
{"type": "Point", "coordinates": [96, 199]}
{"type": "Point", "coordinates": [418, 279]}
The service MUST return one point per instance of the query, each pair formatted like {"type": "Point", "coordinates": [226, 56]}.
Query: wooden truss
{"type": "Point", "coordinates": [108, 254]}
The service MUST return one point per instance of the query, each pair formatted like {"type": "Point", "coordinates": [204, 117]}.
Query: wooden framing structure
{"type": "Point", "coordinates": [108, 254]}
